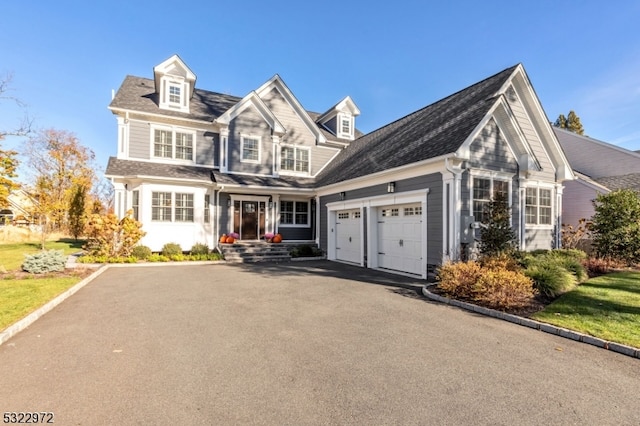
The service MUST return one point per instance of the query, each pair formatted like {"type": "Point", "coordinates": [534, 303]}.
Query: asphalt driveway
{"type": "Point", "coordinates": [299, 343]}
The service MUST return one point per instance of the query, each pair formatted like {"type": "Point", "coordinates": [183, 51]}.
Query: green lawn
{"type": "Point", "coordinates": [607, 307]}
{"type": "Point", "coordinates": [12, 254]}
{"type": "Point", "coordinates": [20, 297]}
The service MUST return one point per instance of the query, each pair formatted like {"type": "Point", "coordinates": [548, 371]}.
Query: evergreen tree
{"type": "Point", "coordinates": [616, 225]}
{"type": "Point", "coordinates": [497, 236]}
{"type": "Point", "coordinates": [571, 123]}
{"type": "Point", "coordinates": [77, 216]}
{"type": "Point", "coordinates": [561, 122]}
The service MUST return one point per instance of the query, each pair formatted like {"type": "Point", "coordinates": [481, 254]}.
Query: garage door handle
{"type": "Point", "coordinates": [401, 243]}
{"type": "Point", "coordinates": [349, 239]}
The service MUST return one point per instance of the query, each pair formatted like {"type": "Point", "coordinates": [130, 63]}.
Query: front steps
{"type": "Point", "coordinates": [255, 251]}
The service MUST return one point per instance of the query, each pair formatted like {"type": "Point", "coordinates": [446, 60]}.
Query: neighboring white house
{"type": "Point", "coordinates": [193, 164]}
{"type": "Point", "coordinates": [599, 167]}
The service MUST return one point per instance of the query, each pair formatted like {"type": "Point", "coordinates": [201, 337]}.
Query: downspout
{"type": "Point", "coordinates": [455, 201]}
{"type": "Point", "coordinates": [217, 225]}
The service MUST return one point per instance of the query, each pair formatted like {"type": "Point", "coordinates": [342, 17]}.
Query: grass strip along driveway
{"type": "Point", "coordinates": [22, 294]}
{"type": "Point", "coordinates": [607, 307]}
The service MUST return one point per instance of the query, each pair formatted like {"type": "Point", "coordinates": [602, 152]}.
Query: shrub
{"type": "Point", "coordinates": [497, 236]}
{"type": "Point", "coordinates": [141, 252]}
{"type": "Point", "coordinates": [458, 279]}
{"type": "Point", "coordinates": [501, 288]}
{"type": "Point", "coordinates": [572, 236]}
{"type": "Point", "coordinates": [92, 259]}
{"type": "Point", "coordinates": [156, 257]}
{"type": "Point", "coordinates": [550, 279]}
{"type": "Point", "coordinates": [109, 236]}
{"type": "Point", "coordinates": [200, 248]}
{"type": "Point", "coordinates": [45, 261]}
{"type": "Point", "coordinates": [171, 249]}
{"type": "Point", "coordinates": [598, 266]}
{"type": "Point", "coordinates": [500, 261]}
{"type": "Point", "coordinates": [616, 225]}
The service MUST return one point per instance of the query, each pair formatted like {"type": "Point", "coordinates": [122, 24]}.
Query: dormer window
{"type": "Point", "coordinates": [345, 126]}
{"type": "Point", "coordinates": [174, 94]}
{"type": "Point", "coordinates": [174, 83]}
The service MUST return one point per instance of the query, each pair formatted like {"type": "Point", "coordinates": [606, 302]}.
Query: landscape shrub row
{"type": "Point", "coordinates": [510, 281]}
{"type": "Point", "coordinates": [170, 252]}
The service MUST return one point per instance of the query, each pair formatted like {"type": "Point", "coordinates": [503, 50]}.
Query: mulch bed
{"type": "Point", "coordinates": [536, 304]}
{"type": "Point", "coordinates": [22, 275]}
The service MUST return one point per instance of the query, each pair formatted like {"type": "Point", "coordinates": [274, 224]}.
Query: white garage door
{"type": "Point", "coordinates": [400, 238]}
{"type": "Point", "coordinates": [348, 235]}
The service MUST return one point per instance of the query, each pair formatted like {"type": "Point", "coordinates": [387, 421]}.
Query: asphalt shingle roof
{"type": "Point", "coordinates": [628, 181]}
{"type": "Point", "coordinates": [119, 167]}
{"type": "Point", "coordinates": [138, 94]}
{"type": "Point", "coordinates": [432, 131]}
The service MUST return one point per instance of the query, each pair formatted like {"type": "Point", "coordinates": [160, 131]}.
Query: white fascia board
{"type": "Point", "coordinates": [277, 82]}
{"type": "Point", "coordinates": [256, 189]}
{"type": "Point", "coordinates": [255, 100]}
{"type": "Point", "coordinates": [345, 104]}
{"type": "Point", "coordinates": [558, 156]}
{"type": "Point", "coordinates": [154, 115]}
{"type": "Point", "coordinates": [149, 179]}
{"type": "Point", "coordinates": [432, 165]}
{"type": "Point", "coordinates": [162, 69]}
{"type": "Point", "coordinates": [463, 151]}
{"type": "Point", "coordinates": [519, 133]}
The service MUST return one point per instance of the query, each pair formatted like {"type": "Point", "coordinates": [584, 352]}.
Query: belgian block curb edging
{"type": "Point", "coordinates": [541, 326]}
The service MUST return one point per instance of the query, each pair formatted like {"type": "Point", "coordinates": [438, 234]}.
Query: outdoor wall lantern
{"type": "Point", "coordinates": [342, 195]}
{"type": "Point", "coordinates": [229, 202]}
{"type": "Point", "coordinates": [270, 204]}
{"type": "Point", "coordinates": [391, 187]}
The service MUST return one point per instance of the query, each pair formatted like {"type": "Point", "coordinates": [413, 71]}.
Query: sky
{"type": "Point", "coordinates": [66, 57]}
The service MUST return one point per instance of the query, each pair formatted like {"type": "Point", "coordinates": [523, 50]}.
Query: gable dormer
{"type": "Point", "coordinates": [340, 119]}
{"type": "Point", "coordinates": [175, 84]}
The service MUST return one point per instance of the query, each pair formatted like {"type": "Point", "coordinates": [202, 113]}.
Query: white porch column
{"type": "Point", "coordinates": [120, 199]}
{"type": "Point", "coordinates": [224, 144]}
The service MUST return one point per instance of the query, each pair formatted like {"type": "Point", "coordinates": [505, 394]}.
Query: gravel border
{"type": "Point", "coordinates": [547, 328]}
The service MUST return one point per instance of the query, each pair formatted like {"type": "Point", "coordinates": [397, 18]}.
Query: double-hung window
{"type": "Point", "coordinates": [174, 144]}
{"type": "Point", "coordinates": [345, 126]}
{"type": "Point", "coordinates": [161, 205]}
{"type": "Point", "coordinates": [485, 190]}
{"type": "Point", "coordinates": [184, 207]}
{"type": "Point", "coordinates": [174, 94]}
{"type": "Point", "coordinates": [135, 204]}
{"type": "Point", "coordinates": [294, 159]}
{"type": "Point", "coordinates": [170, 207]}
{"type": "Point", "coordinates": [250, 147]}
{"type": "Point", "coordinates": [538, 206]}
{"type": "Point", "coordinates": [294, 213]}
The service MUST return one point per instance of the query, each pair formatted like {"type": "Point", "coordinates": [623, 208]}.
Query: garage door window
{"type": "Point", "coordinates": [390, 212]}
{"type": "Point", "coordinates": [413, 211]}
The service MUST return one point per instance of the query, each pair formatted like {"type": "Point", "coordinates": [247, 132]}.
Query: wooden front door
{"type": "Point", "coordinates": [249, 229]}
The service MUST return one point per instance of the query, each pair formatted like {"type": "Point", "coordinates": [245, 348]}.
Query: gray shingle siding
{"type": "Point", "coordinates": [207, 145]}
{"type": "Point", "coordinates": [490, 151]}
{"type": "Point", "coordinates": [539, 239]}
{"type": "Point", "coordinates": [139, 140]}
{"type": "Point", "coordinates": [250, 122]}
{"type": "Point", "coordinates": [547, 173]}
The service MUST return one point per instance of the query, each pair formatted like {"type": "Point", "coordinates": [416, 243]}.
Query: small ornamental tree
{"type": "Point", "coordinates": [616, 225]}
{"type": "Point", "coordinates": [109, 236]}
{"type": "Point", "coordinates": [496, 235]}
{"type": "Point", "coordinates": [77, 216]}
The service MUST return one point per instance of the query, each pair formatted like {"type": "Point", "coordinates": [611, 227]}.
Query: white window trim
{"type": "Point", "coordinates": [339, 131]}
{"type": "Point", "coordinates": [491, 175]}
{"type": "Point", "coordinates": [295, 225]}
{"type": "Point", "coordinates": [168, 81]}
{"type": "Point", "coordinates": [172, 219]}
{"type": "Point", "coordinates": [173, 130]}
{"type": "Point", "coordinates": [247, 136]}
{"type": "Point", "coordinates": [294, 172]}
{"type": "Point", "coordinates": [538, 186]}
